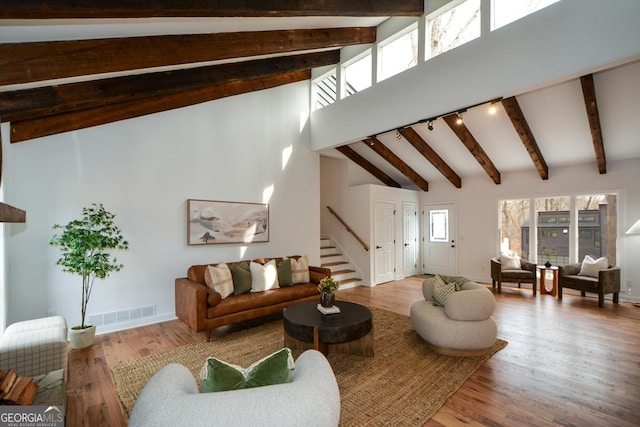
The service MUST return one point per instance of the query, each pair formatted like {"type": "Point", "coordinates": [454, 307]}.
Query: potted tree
{"type": "Point", "coordinates": [84, 250]}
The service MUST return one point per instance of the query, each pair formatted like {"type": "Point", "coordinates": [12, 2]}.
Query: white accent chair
{"type": "Point", "coordinates": [463, 327]}
{"type": "Point", "coordinates": [311, 399]}
{"type": "Point", "coordinates": [35, 347]}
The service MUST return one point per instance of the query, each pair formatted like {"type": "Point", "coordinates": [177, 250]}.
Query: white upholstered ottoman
{"type": "Point", "coordinates": [35, 347]}
{"type": "Point", "coordinates": [463, 327]}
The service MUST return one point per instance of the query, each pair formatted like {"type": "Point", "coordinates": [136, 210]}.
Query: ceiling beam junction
{"type": "Point", "coordinates": [376, 145]}
{"type": "Point", "coordinates": [521, 126]}
{"type": "Point", "coordinates": [463, 133]}
{"type": "Point", "coordinates": [352, 155]}
{"type": "Point", "coordinates": [423, 148]}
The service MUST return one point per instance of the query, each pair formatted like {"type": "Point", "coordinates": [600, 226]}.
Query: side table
{"type": "Point", "coordinates": [543, 275]}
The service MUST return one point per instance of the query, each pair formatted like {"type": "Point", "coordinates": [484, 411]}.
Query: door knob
{"type": "Point", "coordinates": [378, 247]}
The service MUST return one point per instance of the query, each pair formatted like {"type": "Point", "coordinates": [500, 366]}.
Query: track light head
{"type": "Point", "coordinates": [492, 108]}
{"type": "Point", "coordinates": [459, 119]}
{"type": "Point", "coordinates": [398, 134]}
{"type": "Point", "coordinates": [430, 125]}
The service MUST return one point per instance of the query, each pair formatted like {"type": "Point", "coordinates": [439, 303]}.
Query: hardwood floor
{"type": "Point", "coordinates": [568, 363]}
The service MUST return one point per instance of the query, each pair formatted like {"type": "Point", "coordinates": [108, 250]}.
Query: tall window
{"type": "Point", "coordinates": [594, 223]}
{"type": "Point", "coordinates": [357, 75]}
{"type": "Point", "coordinates": [597, 228]}
{"type": "Point", "coordinates": [553, 229]}
{"type": "Point", "coordinates": [506, 11]}
{"type": "Point", "coordinates": [325, 92]}
{"type": "Point", "coordinates": [453, 28]}
{"type": "Point", "coordinates": [514, 230]}
{"type": "Point", "coordinates": [398, 54]}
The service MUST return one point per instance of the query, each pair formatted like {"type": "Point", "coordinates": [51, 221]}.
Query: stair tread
{"type": "Point", "coordinates": [329, 255]}
{"type": "Point", "coordinates": [333, 264]}
{"type": "Point", "coordinates": [327, 247]}
{"type": "Point", "coordinates": [333, 273]}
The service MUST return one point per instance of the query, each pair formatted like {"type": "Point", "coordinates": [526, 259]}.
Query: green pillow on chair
{"type": "Point", "coordinates": [218, 375]}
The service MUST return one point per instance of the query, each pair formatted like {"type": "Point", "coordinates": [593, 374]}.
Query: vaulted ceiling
{"type": "Point", "coordinates": [586, 120]}
{"type": "Point", "coordinates": [69, 64]}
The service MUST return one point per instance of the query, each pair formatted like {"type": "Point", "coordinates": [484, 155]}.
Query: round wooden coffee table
{"type": "Point", "coordinates": [350, 331]}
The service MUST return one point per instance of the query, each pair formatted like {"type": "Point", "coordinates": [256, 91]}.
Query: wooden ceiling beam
{"type": "Point", "coordinates": [521, 126]}
{"type": "Point", "coordinates": [35, 128]}
{"type": "Point", "coordinates": [376, 145]}
{"type": "Point", "coordinates": [38, 61]}
{"type": "Point", "coordinates": [423, 148]}
{"type": "Point", "coordinates": [51, 100]}
{"type": "Point", "coordinates": [463, 133]}
{"type": "Point", "coordinates": [352, 155]}
{"type": "Point", "coordinates": [50, 9]}
{"type": "Point", "coordinates": [589, 94]}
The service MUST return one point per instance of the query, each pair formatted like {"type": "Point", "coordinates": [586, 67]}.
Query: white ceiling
{"type": "Point", "coordinates": [557, 118]}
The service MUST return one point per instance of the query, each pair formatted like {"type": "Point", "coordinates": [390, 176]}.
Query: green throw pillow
{"type": "Point", "coordinates": [241, 278]}
{"type": "Point", "coordinates": [441, 290]}
{"type": "Point", "coordinates": [285, 273]}
{"type": "Point", "coordinates": [275, 368]}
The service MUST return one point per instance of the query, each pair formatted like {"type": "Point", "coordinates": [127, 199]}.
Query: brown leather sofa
{"type": "Point", "coordinates": [203, 309]}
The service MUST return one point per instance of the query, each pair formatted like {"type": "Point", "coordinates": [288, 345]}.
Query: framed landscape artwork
{"type": "Point", "coordinates": [212, 222]}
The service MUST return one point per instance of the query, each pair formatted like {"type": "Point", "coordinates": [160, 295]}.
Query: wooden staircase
{"type": "Point", "coordinates": [341, 269]}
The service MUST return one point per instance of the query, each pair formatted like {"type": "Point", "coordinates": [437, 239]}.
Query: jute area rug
{"type": "Point", "coordinates": [404, 384]}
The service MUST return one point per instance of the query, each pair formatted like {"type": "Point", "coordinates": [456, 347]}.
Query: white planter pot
{"type": "Point", "coordinates": [82, 338]}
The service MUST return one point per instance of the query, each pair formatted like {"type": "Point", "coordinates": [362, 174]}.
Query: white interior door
{"type": "Point", "coordinates": [410, 238]}
{"type": "Point", "coordinates": [440, 248]}
{"type": "Point", "coordinates": [385, 242]}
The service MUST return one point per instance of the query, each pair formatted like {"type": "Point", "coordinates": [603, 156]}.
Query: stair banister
{"type": "Point", "coordinates": [364, 245]}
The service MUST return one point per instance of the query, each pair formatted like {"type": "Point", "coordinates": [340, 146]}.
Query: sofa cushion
{"type": "Point", "coordinates": [442, 290]}
{"type": "Point", "coordinates": [253, 300]}
{"type": "Point", "coordinates": [591, 267]}
{"type": "Point", "coordinates": [510, 261]}
{"type": "Point", "coordinates": [285, 273]}
{"type": "Point", "coordinates": [263, 277]}
{"type": "Point", "coordinates": [218, 375]}
{"type": "Point", "coordinates": [300, 270]}
{"type": "Point", "coordinates": [516, 275]}
{"type": "Point", "coordinates": [219, 278]}
{"type": "Point", "coordinates": [241, 278]}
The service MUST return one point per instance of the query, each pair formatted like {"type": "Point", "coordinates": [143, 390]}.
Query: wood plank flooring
{"type": "Point", "coordinates": [568, 363]}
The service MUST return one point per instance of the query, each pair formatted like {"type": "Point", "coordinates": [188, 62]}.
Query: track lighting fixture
{"type": "Point", "coordinates": [459, 119]}
{"type": "Point", "coordinates": [492, 108]}
{"type": "Point", "coordinates": [398, 134]}
{"type": "Point", "coordinates": [430, 125]}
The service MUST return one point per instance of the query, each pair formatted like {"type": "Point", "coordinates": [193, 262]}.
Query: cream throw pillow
{"type": "Point", "coordinates": [219, 279]}
{"type": "Point", "coordinates": [264, 277]}
{"type": "Point", "coordinates": [300, 270]}
{"type": "Point", "coordinates": [591, 267]}
{"type": "Point", "coordinates": [510, 261]}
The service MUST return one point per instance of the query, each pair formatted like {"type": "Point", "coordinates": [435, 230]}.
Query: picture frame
{"type": "Point", "coordinates": [211, 222]}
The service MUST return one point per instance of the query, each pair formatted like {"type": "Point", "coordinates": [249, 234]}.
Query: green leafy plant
{"type": "Point", "coordinates": [548, 253]}
{"type": "Point", "coordinates": [84, 246]}
{"type": "Point", "coordinates": [328, 285]}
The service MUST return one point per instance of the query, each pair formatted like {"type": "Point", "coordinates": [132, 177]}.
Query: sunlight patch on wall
{"type": "Point", "coordinates": [286, 154]}
{"type": "Point", "coordinates": [267, 193]}
{"type": "Point", "coordinates": [304, 118]}
{"type": "Point", "coordinates": [243, 251]}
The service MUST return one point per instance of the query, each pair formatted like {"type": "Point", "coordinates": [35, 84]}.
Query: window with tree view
{"type": "Point", "coordinates": [566, 228]}
{"type": "Point", "coordinates": [453, 28]}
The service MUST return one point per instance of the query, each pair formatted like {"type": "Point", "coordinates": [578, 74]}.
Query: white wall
{"type": "Point", "coordinates": [563, 41]}
{"type": "Point", "coordinates": [477, 207]}
{"type": "Point", "coordinates": [355, 204]}
{"type": "Point", "coordinates": [144, 170]}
